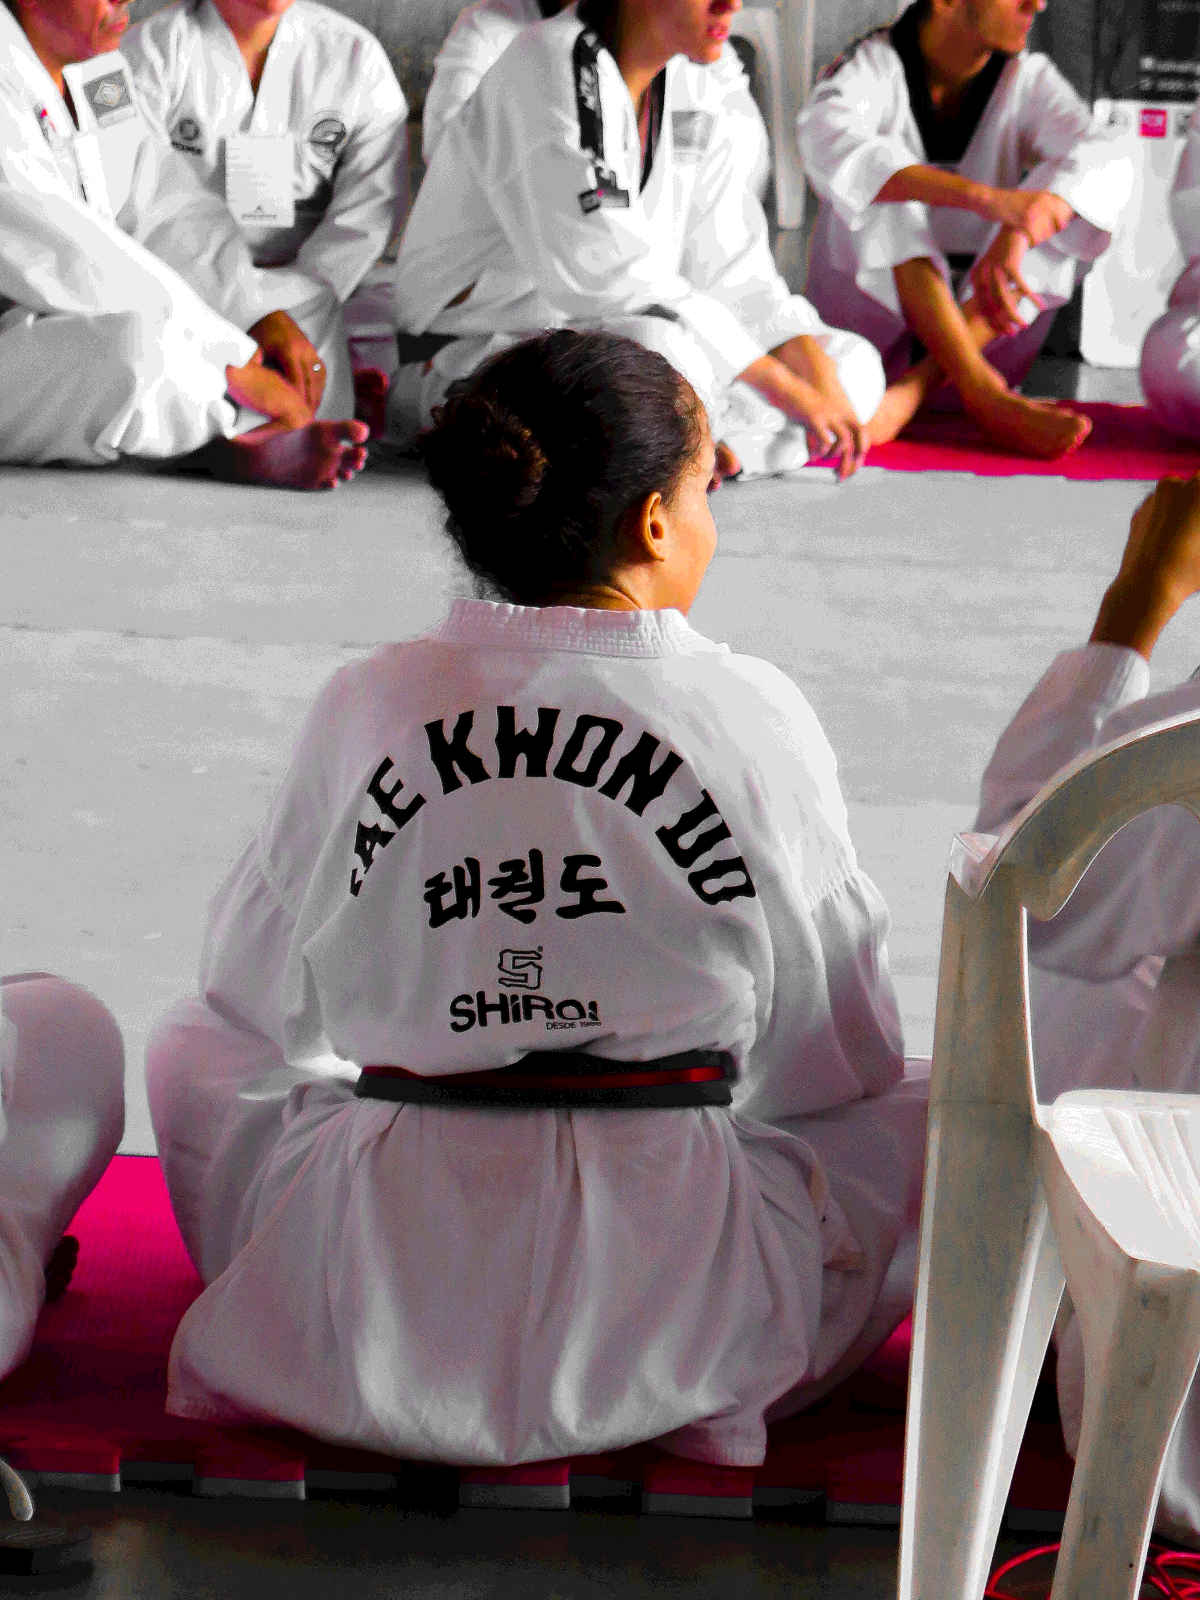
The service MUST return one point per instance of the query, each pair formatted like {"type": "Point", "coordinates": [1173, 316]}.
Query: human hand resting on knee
{"type": "Point", "coordinates": [288, 350]}
{"type": "Point", "coordinates": [1160, 568]}
{"type": "Point", "coordinates": [814, 398]}
{"type": "Point", "coordinates": [261, 388]}
{"type": "Point", "coordinates": [1027, 218]}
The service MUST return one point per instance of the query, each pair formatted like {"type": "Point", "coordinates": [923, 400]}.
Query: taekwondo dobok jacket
{"type": "Point", "coordinates": [327, 88]}
{"type": "Point", "coordinates": [534, 829]}
{"type": "Point", "coordinates": [532, 213]}
{"type": "Point", "coordinates": [483, 32]}
{"type": "Point", "coordinates": [858, 129]}
{"type": "Point", "coordinates": [103, 219]}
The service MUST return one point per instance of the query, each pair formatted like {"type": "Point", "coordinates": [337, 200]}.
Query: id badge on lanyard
{"type": "Point", "coordinates": [259, 179]}
{"type": "Point", "coordinates": [102, 95]}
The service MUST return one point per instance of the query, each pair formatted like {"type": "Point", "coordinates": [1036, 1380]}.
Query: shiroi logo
{"type": "Point", "coordinates": [521, 969]}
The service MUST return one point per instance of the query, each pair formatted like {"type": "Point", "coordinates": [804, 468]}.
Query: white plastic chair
{"type": "Point", "coordinates": [782, 35]}
{"type": "Point", "coordinates": [1103, 1186]}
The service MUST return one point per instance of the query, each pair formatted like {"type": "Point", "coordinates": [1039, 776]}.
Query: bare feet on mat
{"type": "Point", "coordinates": [1027, 427]}
{"type": "Point", "coordinates": [61, 1265]}
{"type": "Point", "coordinates": [319, 455]}
{"type": "Point", "coordinates": [370, 399]}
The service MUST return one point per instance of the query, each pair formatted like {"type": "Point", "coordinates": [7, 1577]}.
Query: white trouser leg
{"type": "Point", "coordinates": [872, 1152]}
{"type": "Point", "coordinates": [418, 387]}
{"type": "Point", "coordinates": [213, 1141]}
{"type": "Point", "coordinates": [91, 389]}
{"type": "Point", "coordinates": [64, 1107]}
{"type": "Point", "coordinates": [1170, 370]}
{"type": "Point", "coordinates": [765, 440]}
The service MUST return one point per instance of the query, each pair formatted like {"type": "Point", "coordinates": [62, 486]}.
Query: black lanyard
{"type": "Point", "coordinates": [607, 191]}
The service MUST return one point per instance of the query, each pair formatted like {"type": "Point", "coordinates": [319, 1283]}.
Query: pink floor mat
{"type": "Point", "coordinates": [86, 1409]}
{"type": "Point", "coordinates": [1125, 442]}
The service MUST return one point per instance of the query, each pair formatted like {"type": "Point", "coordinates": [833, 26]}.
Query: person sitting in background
{"type": "Point", "coordinates": [125, 288]}
{"type": "Point", "coordinates": [965, 189]}
{"type": "Point", "coordinates": [1116, 990]}
{"type": "Point", "coordinates": [1170, 361]}
{"type": "Point", "coordinates": [595, 178]}
{"type": "Point", "coordinates": [483, 32]}
{"type": "Point", "coordinates": [290, 114]}
{"type": "Point", "coordinates": [61, 1119]}
{"type": "Point", "coordinates": [551, 964]}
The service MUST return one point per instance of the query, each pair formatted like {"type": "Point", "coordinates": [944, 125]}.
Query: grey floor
{"type": "Point", "coordinates": [148, 1545]}
{"type": "Point", "coordinates": [159, 640]}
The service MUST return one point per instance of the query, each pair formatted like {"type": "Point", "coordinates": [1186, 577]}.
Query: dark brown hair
{"type": "Point", "coordinates": [541, 454]}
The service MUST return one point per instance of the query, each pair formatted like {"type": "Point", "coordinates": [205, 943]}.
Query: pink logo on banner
{"type": "Point", "coordinates": [1153, 124]}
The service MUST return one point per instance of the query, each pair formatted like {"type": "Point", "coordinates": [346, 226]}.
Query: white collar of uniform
{"type": "Point", "coordinates": [576, 628]}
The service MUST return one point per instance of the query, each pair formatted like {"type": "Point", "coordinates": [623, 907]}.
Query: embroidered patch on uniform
{"type": "Point", "coordinates": [186, 135]}
{"type": "Point", "coordinates": [328, 134]}
{"type": "Point", "coordinates": [691, 130]}
{"type": "Point", "coordinates": [109, 97]}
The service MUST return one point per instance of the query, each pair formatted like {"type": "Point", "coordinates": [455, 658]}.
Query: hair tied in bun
{"type": "Point", "coordinates": [511, 463]}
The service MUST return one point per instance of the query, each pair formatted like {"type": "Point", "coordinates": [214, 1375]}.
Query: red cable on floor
{"type": "Point", "coordinates": [1173, 1574]}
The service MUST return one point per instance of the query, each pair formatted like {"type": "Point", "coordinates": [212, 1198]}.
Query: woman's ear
{"type": "Point", "coordinates": [649, 529]}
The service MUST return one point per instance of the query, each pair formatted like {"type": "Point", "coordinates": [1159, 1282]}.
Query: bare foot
{"type": "Point", "coordinates": [371, 386]}
{"type": "Point", "coordinates": [1028, 427]}
{"type": "Point", "coordinates": [319, 455]}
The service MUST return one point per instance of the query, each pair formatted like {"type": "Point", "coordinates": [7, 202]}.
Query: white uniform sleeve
{"type": "Point", "coordinates": [1134, 900]}
{"type": "Point", "coordinates": [1185, 191]}
{"type": "Point", "coordinates": [753, 144]}
{"type": "Point", "coordinates": [58, 256]}
{"type": "Point", "coordinates": [1070, 153]}
{"type": "Point", "coordinates": [475, 43]}
{"type": "Point", "coordinates": [174, 216]}
{"type": "Point", "coordinates": [845, 131]}
{"type": "Point", "coordinates": [158, 70]}
{"type": "Point", "coordinates": [370, 187]}
{"type": "Point", "coordinates": [728, 249]}
{"type": "Point", "coordinates": [253, 916]}
{"type": "Point", "coordinates": [830, 991]}
{"type": "Point", "coordinates": [589, 265]}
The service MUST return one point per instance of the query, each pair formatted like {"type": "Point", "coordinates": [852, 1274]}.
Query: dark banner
{"type": "Point", "coordinates": [1147, 50]}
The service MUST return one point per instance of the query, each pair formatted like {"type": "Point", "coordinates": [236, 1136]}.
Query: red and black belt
{"type": "Point", "coordinates": [564, 1078]}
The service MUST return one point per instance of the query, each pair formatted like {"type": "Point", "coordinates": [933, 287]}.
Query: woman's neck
{"type": "Point", "coordinates": [640, 56]}
{"type": "Point", "coordinates": [252, 32]}
{"type": "Point", "coordinates": [631, 37]}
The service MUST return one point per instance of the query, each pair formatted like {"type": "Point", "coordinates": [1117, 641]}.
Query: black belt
{"type": "Point", "coordinates": [420, 347]}
{"type": "Point", "coordinates": [564, 1078]}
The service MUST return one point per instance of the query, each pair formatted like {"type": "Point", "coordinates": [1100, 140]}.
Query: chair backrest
{"type": "Point", "coordinates": [781, 32]}
{"type": "Point", "coordinates": [982, 1048]}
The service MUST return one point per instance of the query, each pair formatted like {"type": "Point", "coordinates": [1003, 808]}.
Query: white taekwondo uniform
{"type": "Point", "coordinates": [518, 227]}
{"type": "Point", "coordinates": [62, 1112]}
{"type": "Point", "coordinates": [123, 286]}
{"type": "Point", "coordinates": [483, 32]}
{"type": "Point", "coordinates": [616, 837]}
{"type": "Point", "coordinates": [1031, 131]}
{"type": "Point", "coordinates": [1170, 364]}
{"type": "Point", "coordinates": [328, 106]}
{"type": "Point", "coordinates": [1101, 1016]}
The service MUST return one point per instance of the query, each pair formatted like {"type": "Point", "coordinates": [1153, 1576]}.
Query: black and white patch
{"type": "Point", "coordinates": [188, 136]}
{"type": "Point", "coordinates": [691, 131]}
{"type": "Point", "coordinates": [109, 96]}
{"type": "Point", "coordinates": [327, 134]}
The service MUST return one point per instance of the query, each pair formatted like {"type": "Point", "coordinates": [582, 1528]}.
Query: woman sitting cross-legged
{"type": "Point", "coordinates": [545, 1092]}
